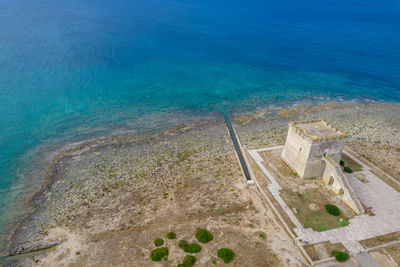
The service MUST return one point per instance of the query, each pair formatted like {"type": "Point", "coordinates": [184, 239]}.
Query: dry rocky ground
{"type": "Point", "coordinates": [109, 199]}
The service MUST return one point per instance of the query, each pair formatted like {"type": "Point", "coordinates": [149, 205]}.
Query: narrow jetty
{"type": "Point", "coordinates": [238, 147]}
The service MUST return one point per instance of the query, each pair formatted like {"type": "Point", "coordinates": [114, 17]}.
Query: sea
{"type": "Point", "coordinates": [72, 70]}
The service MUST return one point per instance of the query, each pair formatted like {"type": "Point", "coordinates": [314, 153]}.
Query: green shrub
{"type": "Point", "coordinates": [182, 243]}
{"type": "Point", "coordinates": [225, 254]}
{"type": "Point", "coordinates": [158, 242]}
{"type": "Point", "coordinates": [192, 248]}
{"type": "Point", "coordinates": [341, 163]}
{"type": "Point", "coordinates": [171, 235]}
{"type": "Point", "coordinates": [332, 209]}
{"type": "Point", "coordinates": [159, 253]}
{"type": "Point", "coordinates": [347, 169]}
{"type": "Point", "coordinates": [203, 236]}
{"type": "Point", "coordinates": [189, 260]}
{"type": "Point", "coordinates": [181, 265]}
{"type": "Point", "coordinates": [262, 235]}
{"type": "Point", "coordinates": [340, 255]}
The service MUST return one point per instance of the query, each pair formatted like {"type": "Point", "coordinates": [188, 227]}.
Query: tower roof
{"type": "Point", "coordinates": [317, 130]}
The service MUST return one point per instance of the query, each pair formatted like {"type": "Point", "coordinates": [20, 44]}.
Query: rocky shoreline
{"type": "Point", "coordinates": [179, 178]}
{"type": "Point", "coordinates": [23, 233]}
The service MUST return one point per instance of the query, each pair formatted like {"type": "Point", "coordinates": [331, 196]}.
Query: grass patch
{"type": "Point", "coordinates": [159, 253]}
{"type": "Point", "coordinates": [158, 242]}
{"type": "Point", "coordinates": [225, 254]}
{"type": "Point", "coordinates": [332, 209]}
{"type": "Point", "coordinates": [192, 248]}
{"type": "Point", "coordinates": [171, 235]}
{"type": "Point", "coordinates": [203, 235]}
{"type": "Point", "coordinates": [340, 255]}
{"type": "Point", "coordinates": [349, 162]}
{"type": "Point", "coordinates": [318, 220]}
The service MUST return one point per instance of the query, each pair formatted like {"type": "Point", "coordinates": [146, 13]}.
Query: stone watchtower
{"type": "Point", "coordinates": [308, 142]}
{"type": "Point", "coordinates": [313, 149]}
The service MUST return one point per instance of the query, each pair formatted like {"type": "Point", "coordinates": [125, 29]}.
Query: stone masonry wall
{"type": "Point", "coordinates": [304, 154]}
{"type": "Point", "coordinates": [295, 152]}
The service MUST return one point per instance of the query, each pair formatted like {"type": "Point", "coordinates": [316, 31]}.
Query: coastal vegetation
{"type": "Point", "coordinates": [158, 242]}
{"type": "Point", "coordinates": [189, 261]}
{"type": "Point", "coordinates": [203, 235]}
{"type": "Point", "coordinates": [340, 255]}
{"type": "Point", "coordinates": [171, 235]}
{"type": "Point", "coordinates": [192, 248]}
{"type": "Point", "coordinates": [332, 209]}
{"type": "Point", "coordinates": [262, 235]}
{"type": "Point", "coordinates": [159, 254]}
{"type": "Point", "coordinates": [347, 169]}
{"type": "Point", "coordinates": [226, 254]}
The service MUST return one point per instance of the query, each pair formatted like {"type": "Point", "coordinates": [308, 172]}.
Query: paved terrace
{"type": "Point", "coordinates": [384, 200]}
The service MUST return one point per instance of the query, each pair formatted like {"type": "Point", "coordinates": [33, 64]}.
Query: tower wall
{"type": "Point", "coordinates": [295, 152]}
{"type": "Point", "coordinates": [304, 155]}
{"type": "Point", "coordinates": [330, 147]}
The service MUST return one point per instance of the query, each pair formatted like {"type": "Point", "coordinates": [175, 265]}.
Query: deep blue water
{"type": "Point", "coordinates": [70, 69]}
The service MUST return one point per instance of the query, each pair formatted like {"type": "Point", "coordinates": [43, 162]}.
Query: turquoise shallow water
{"type": "Point", "coordinates": [71, 70]}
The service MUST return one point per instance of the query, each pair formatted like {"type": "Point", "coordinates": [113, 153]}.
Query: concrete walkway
{"type": "Point", "coordinates": [366, 260]}
{"type": "Point", "coordinates": [384, 200]}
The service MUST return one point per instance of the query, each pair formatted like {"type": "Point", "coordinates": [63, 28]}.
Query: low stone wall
{"type": "Point", "coordinates": [334, 177]}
